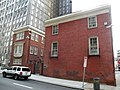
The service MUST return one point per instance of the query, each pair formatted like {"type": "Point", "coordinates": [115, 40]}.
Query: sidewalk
{"type": "Point", "coordinates": [75, 84]}
{"type": "Point", "coordinates": [72, 84]}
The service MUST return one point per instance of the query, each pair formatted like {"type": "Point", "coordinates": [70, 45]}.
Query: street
{"type": "Point", "coordinates": [11, 84]}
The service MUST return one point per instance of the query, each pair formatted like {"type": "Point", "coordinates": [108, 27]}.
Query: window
{"type": "Point", "coordinates": [33, 36]}
{"type": "Point", "coordinates": [18, 50]}
{"type": "Point", "coordinates": [54, 49]}
{"type": "Point", "coordinates": [14, 68]}
{"type": "Point", "coordinates": [36, 37]}
{"type": "Point", "coordinates": [92, 22]}
{"type": "Point", "coordinates": [20, 36]}
{"type": "Point", "coordinates": [31, 49]}
{"type": "Point", "coordinates": [54, 29]}
{"type": "Point", "coordinates": [93, 46]}
{"type": "Point", "coordinates": [41, 52]}
{"type": "Point", "coordinates": [35, 50]}
{"type": "Point", "coordinates": [43, 40]}
{"type": "Point", "coordinates": [17, 61]}
{"type": "Point", "coordinates": [18, 69]}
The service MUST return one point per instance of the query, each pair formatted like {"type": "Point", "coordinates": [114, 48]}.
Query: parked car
{"type": "Point", "coordinates": [17, 72]}
{"type": "Point", "coordinates": [2, 69]}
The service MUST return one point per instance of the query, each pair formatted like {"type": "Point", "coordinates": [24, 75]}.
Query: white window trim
{"type": "Point", "coordinates": [17, 61]}
{"type": "Point", "coordinates": [52, 49]}
{"type": "Point", "coordinates": [53, 29]}
{"type": "Point", "coordinates": [18, 36]}
{"type": "Point", "coordinates": [96, 22]}
{"type": "Point", "coordinates": [97, 46]}
{"type": "Point", "coordinates": [18, 54]}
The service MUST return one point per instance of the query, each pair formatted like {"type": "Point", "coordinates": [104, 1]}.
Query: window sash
{"type": "Point", "coordinates": [31, 49]}
{"type": "Point", "coordinates": [92, 22]}
{"type": "Point", "coordinates": [35, 50]}
{"type": "Point", "coordinates": [43, 40]}
{"type": "Point", "coordinates": [54, 51]}
{"type": "Point", "coordinates": [18, 49]}
{"type": "Point", "coordinates": [54, 29]}
{"type": "Point", "coordinates": [36, 37]}
{"type": "Point", "coordinates": [93, 46]}
{"type": "Point", "coordinates": [41, 52]}
{"type": "Point", "coordinates": [17, 61]}
{"type": "Point", "coordinates": [33, 36]}
{"type": "Point", "coordinates": [20, 36]}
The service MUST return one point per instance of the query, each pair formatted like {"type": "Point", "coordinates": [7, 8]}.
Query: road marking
{"type": "Point", "coordinates": [22, 85]}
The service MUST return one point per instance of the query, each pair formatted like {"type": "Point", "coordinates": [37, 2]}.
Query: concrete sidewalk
{"type": "Point", "coordinates": [70, 83]}
{"type": "Point", "coordinates": [75, 84]}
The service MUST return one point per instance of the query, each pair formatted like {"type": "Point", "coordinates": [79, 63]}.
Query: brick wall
{"type": "Point", "coordinates": [29, 59]}
{"type": "Point", "coordinates": [73, 45]}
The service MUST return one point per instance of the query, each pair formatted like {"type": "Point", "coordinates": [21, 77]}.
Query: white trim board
{"type": "Point", "coordinates": [78, 15]}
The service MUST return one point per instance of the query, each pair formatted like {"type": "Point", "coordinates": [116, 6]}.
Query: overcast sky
{"type": "Point", "coordinates": [115, 6]}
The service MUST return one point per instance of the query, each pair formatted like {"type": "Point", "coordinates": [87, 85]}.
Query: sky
{"type": "Point", "coordinates": [78, 5]}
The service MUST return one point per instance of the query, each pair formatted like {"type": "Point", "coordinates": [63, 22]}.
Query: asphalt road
{"type": "Point", "coordinates": [11, 84]}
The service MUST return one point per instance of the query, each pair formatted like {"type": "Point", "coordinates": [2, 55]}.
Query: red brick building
{"type": "Point", "coordinates": [69, 38]}
{"type": "Point", "coordinates": [27, 48]}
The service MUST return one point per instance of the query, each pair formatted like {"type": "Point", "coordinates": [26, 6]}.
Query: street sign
{"type": "Point", "coordinates": [85, 62]}
{"type": "Point", "coordinates": [84, 65]}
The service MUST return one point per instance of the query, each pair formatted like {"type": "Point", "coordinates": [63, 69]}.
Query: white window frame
{"type": "Point", "coordinates": [90, 46]}
{"type": "Point", "coordinates": [55, 29]}
{"type": "Point", "coordinates": [18, 50]}
{"type": "Point", "coordinates": [17, 61]}
{"type": "Point", "coordinates": [55, 54]}
{"type": "Point", "coordinates": [20, 36]}
{"type": "Point", "coordinates": [91, 23]}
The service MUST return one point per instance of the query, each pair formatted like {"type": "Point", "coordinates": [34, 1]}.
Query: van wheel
{"type": "Point", "coordinates": [15, 76]}
{"type": "Point", "coordinates": [4, 74]}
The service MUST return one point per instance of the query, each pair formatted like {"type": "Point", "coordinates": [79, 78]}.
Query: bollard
{"type": "Point", "coordinates": [96, 83]}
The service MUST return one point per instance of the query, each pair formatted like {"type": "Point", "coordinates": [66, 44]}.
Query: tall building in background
{"type": "Point", "coordinates": [15, 14]}
{"type": "Point", "coordinates": [62, 7]}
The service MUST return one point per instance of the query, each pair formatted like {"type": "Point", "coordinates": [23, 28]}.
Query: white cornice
{"type": "Point", "coordinates": [30, 28]}
{"type": "Point", "coordinates": [78, 15]}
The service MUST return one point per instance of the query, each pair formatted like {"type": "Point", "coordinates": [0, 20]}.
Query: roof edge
{"type": "Point", "coordinates": [78, 15]}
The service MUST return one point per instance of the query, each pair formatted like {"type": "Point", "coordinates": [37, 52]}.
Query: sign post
{"type": "Point", "coordinates": [84, 66]}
